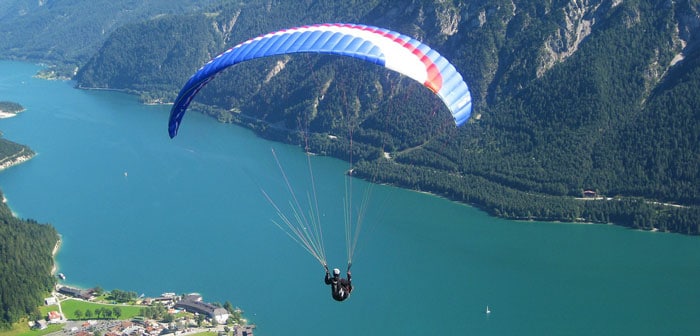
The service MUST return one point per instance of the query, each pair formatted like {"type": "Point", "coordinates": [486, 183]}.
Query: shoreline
{"type": "Point", "coordinates": [4, 114]}
{"type": "Point", "coordinates": [8, 114]}
{"type": "Point", "coordinates": [56, 248]}
{"type": "Point", "coordinates": [15, 159]}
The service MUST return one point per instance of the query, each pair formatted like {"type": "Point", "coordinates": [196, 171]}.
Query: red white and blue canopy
{"type": "Point", "coordinates": [383, 47]}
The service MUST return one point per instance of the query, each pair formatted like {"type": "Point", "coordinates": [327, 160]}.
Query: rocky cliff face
{"type": "Point", "coordinates": [448, 19]}
{"type": "Point", "coordinates": [579, 16]}
{"type": "Point", "coordinates": [501, 46]}
{"type": "Point", "coordinates": [687, 24]}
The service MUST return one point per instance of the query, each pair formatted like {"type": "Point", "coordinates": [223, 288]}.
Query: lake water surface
{"type": "Point", "coordinates": [141, 212]}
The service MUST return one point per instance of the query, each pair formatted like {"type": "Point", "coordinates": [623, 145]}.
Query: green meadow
{"type": "Point", "coordinates": [70, 306]}
{"type": "Point", "coordinates": [22, 329]}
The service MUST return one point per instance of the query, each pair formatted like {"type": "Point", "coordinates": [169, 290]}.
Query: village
{"type": "Point", "coordinates": [186, 314]}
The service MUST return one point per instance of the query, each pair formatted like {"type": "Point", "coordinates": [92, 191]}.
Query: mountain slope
{"type": "Point", "coordinates": [26, 261]}
{"type": "Point", "coordinates": [70, 31]}
{"type": "Point", "coordinates": [569, 96]}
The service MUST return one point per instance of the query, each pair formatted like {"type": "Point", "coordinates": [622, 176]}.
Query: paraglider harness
{"type": "Point", "coordinates": [340, 287]}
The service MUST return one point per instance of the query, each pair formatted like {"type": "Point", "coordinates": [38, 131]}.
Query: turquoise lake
{"type": "Point", "coordinates": [138, 211]}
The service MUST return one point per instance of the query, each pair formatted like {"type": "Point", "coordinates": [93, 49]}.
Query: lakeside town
{"type": "Point", "coordinates": [186, 314]}
{"type": "Point", "coordinates": [167, 314]}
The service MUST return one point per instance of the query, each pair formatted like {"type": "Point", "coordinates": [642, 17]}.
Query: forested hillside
{"type": "Point", "coordinates": [25, 253]}
{"type": "Point", "coordinates": [121, 63]}
{"type": "Point", "coordinates": [67, 33]}
{"type": "Point", "coordinates": [572, 95]}
{"type": "Point", "coordinates": [569, 96]}
{"type": "Point", "coordinates": [10, 150]}
{"type": "Point", "coordinates": [25, 265]}
{"type": "Point", "coordinates": [156, 57]}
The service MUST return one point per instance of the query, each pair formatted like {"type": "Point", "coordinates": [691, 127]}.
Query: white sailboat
{"type": "Point", "coordinates": [488, 311]}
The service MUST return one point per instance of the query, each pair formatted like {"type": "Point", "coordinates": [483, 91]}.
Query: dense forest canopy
{"type": "Point", "coordinates": [25, 264]}
{"type": "Point", "coordinates": [9, 149]}
{"type": "Point", "coordinates": [8, 106]}
{"type": "Point", "coordinates": [568, 98]}
{"type": "Point", "coordinates": [67, 33]}
{"type": "Point", "coordinates": [25, 251]}
{"type": "Point", "coordinates": [600, 96]}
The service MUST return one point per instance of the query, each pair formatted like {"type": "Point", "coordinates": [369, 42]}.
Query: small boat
{"type": "Point", "coordinates": [61, 276]}
{"type": "Point", "coordinates": [488, 311]}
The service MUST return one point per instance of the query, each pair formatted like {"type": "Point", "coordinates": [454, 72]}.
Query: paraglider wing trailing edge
{"type": "Point", "coordinates": [383, 47]}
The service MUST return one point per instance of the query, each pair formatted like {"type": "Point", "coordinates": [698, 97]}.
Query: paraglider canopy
{"type": "Point", "coordinates": [386, 48]}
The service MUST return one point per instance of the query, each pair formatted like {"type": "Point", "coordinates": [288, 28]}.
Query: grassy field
{"type": "Point", "coordinates": [70, 306]}
{"type": "Point", "coordinates": [206, 333]}
{"type": "Point", "coordinates": [22, 329]}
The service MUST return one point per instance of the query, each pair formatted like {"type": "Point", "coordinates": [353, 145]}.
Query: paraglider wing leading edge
{"type": "Point", "coordinates": [383, 47]}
